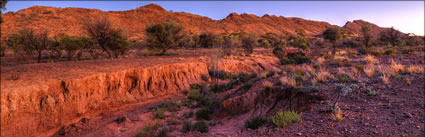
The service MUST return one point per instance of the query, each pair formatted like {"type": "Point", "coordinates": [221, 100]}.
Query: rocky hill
{"type": "Point", "coordinates": [69, 21]}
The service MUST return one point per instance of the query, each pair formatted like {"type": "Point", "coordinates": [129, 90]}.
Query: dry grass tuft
{"type": "Point", "coordinates": [320, 61]}
{"type": "Point", "coordinates": [371, 60]}
{"type": "Point", "coordinates": [267, 85]}
{"type": "Point", "coordinates": [385, 79]}
{"type": "Point", "coordinates": [409, 81]}
{"type": "Point", "coordinates": [369, 70]}
{"type": "Point", "coordinates": [323, 75]}
{"type": "Point", "coordinates": [415, 69]}
{"type": "Point", "coordinates": [396, 67]}
{"type": "Point", "coordinates": [289, 81]}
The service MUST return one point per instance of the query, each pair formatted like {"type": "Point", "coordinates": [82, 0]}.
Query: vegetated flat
{"type": "Point", "coordinates": [21, 77]}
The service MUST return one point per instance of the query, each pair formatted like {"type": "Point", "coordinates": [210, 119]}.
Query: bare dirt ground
{"type": "Point", "coordinates": [15, 75]}
{"type": "Point", "coordinates": [397, 109]}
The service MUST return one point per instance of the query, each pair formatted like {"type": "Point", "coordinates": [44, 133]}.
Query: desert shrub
{"type": "Point", "coordinates": [71, 45]}
{"type": "Point", "coordinates": [204, 78]}
{"type": "Point", "coordinates": [110, 40]}
{"type": "Point", "coordinates": [227, 48]}
{"type": "Point", "coordinates": [264, 43]}
{"type": "Point", "coordinates": [203, 114]}
{"type": "Point", "coordinates": [188, 114]}
{"type": "Point", "coordinates": [189, 42]}
{"type": "Point", "coordinates": [244, 77]}
{"type": "Point", "coordinates": [150, 130]}
{"type": "Point", "coordinates": [248, 44]}
{"type": "Point", "coordinates": [196, 86]}
{"type": "Point", "coordinates": [2, 49]}
{"type": "Point", "coordinates": [391, 36]}
{"type": "Point", "coordinates": [18, 45]}
{"type": "Point", "coordinates": [302, 59]}
{"type": "Point", "coordinates": [163, 36]}
{"type": "Point", "coordinates": [223, 87]}
{"type": "Point", "coordinates": [26, 41]}
{"type": "Point", "coordinates": [193, 95]}
{"type": "Point", "coordinates": [278, 51]}
{"type": "Point", "coordinates": [281, 119]}
{"type": "Point", "coordinates": [391, 51]}
{"type": "Point", "coordinates": [343, 78]}
{"type": "Point", "coordinates": [332, 34]}
{"type": "Point", "coordinates": [286, 61]}
{"type": "Point", "coordinates": [209, 40]}
{"type": "Point", "coordinates": [323, 76]}
{"type": "Point", "coordinates": [298, 42]}
{"type": "Point", "coordinates": [367, 36]}
{"type": "Point", "coordinates": [187, 126]}
{"type": "Point", "coordinates": [162, 133]}
{"type": "Point", "coordinates": [159, 114]}
{"type": "Point", "coordinates": [220, 74]}
{"type": "Point", "coordinates": [200, 126]}
{"type": "Point", "coordinates": [254, 123]}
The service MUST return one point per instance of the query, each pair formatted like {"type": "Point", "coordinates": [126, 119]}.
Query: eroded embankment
{"type": "Point", "coordinates": [43, 111]}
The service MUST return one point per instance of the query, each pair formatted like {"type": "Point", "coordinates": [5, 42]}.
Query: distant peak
{"type": "Point", "coordinates": [154, 7]}
{"type": "Point", "coordinates": [233, 14]}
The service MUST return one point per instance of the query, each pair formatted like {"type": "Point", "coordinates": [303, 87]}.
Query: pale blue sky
{"type": "Point", "coordinates": [407, 16]}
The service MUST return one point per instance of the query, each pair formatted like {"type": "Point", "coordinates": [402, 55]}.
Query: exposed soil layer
{"type": "Point", "coordinates": [45, 102]}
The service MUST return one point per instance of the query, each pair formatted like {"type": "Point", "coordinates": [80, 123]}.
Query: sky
{"type": "Point", "coordinates": [406, 16]}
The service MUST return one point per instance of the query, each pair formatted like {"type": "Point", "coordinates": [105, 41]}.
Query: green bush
{"type": "Point", "coordinates": [255, 122]}
{"type": "Point", "coordinates": [391, 51]}
{"type": "Point", "coordinates": [203, 114]}
{"type": "Point", "coordinates": [162, 133]}
{"type": "Point", "coordinates": [149, 130]}
{"type": "Point", "coordinates": [164, 36]}
{"type": "Point", "coordinates": [220, 74]}
{"type": "Point", "coordinates": [187, 126]}
{"type": "Point", "coordinates": [298, 42]}
{"type": "Point", "coordinates": [193, 95]}
{"type": "Point", "coordinates": [195, 86]}
{"type": "Point", "coordinates": [204, 78]}
{"type": "Point", "coordinates": [281, 119]}
{"type": "Point", "coordinates": [286, 61]}
{"type": "Point", "coordinates": [302, 59]}
{"type": "Point", "coordinates": [159, 114]}
{"type": "Point", "coordinates": [200, 126]}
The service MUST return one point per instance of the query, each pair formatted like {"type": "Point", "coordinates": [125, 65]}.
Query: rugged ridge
{"type": "Point", "coordinates": [69, 21]}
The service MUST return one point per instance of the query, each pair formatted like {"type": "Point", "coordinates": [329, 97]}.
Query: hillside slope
{"type": "Point", "coordinates": [69, 21]}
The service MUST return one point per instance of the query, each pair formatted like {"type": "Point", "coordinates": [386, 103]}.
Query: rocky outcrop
{"type": "Point", "coordinates": [42, 111]}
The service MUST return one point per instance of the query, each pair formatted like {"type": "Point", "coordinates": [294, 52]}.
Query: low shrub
{"type": "Point", "coordinates": [203, 114]}
{"type": "Point", "coordinates": [204, 78]}
{"type": "Point", "coordinates": [220, 74]}
{"type": "Point", "coordinates": [193, 95]}
{"type": "Point", "coordinates": [159, 114]}
{"type": "Point", "coordinates": [281, 119]}
{"type": "Point", "coordinates": [149, 130]}
{"type": "Point", "coordinates": [302, 59]}
{"type": "Point", "coordinates": [200, 126]}
{"type": "Point", "coordinates": [187, 126]}
{"type": "Point", "coordinates": [391, 51]}
{"type": "Point", "coordinates": [255, 122]}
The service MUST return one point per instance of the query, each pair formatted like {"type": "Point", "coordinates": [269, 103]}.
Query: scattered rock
{"type": "Point", "coordinates": [120, 120]}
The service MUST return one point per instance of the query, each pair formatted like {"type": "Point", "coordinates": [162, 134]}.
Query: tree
{"type": "Point", "coordinates": [367, 36]}
{"type": "Point", "coordinates": [26, 41]}
{"type": "Point", "coordinates": [16, 43]}
{"type": "Point", "coordinates": [209, 40]}
{"type": "Point", "coordinates": [37, 42]}
{"type": "Point", "coordinates": [2, 7]}
{"type": "Point", "coordinates": [248, 44]}
{"type": "Point", "coordinates": [101, 31]}
{"type": "Point", "coordinates": [119, 43]}
{"type": "Point", "coordinates": [298, 41]}
{"type": "Point", "coordinates": [164, 36]}
{"type": "Point", "coordinates": [332, 34]}
{"type": "Point", "coordinates": [72, 45]}
{"type": "Point", "coordinates": [392, 36]}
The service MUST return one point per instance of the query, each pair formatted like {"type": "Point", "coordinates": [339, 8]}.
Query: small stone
{"type": "Point", "coordinates": [83, 120]}
{"type": "Point", "coordinates": [120, 120]}
{"type": "Point", "coordinates": [407, 115]}
{"type": "Point", "coordinates": [299, 134]}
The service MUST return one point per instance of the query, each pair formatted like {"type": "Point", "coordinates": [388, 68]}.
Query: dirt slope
{"type": "Point", "coordinates": [69, 21]}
